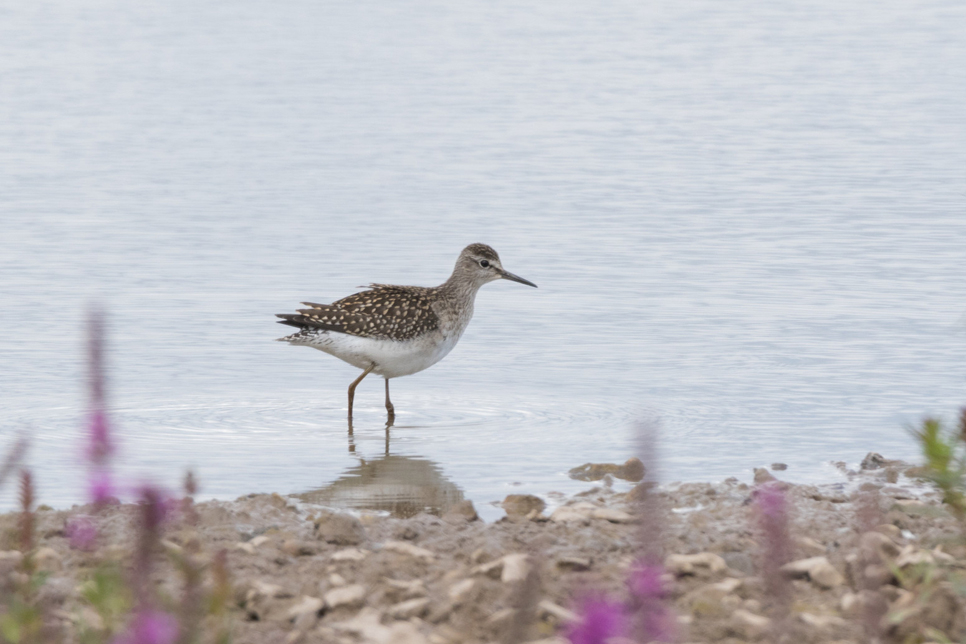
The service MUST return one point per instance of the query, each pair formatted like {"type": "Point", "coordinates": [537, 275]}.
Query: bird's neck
{"type": "Point", "coordinates": [459, 289]}
{"type": "Point", "coordinates": [459, 294]}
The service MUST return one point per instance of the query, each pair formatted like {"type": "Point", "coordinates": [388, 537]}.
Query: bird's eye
{"type": "Point", "coordinates": [484, 263]}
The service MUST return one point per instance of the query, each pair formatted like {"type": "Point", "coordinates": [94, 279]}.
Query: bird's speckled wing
{"type": "Point", "coordinates": [384, 311]}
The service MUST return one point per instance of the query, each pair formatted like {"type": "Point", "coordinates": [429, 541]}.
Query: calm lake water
{"type": "Point", "coordinates": [747, 221]}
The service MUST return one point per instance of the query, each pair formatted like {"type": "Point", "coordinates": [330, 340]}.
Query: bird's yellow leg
{"type": "Point", "coordinates": [355, 383]}
{"type": "Point", "coordinates": [389, 408]}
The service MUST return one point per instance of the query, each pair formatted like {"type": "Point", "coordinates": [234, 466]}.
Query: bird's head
{"type": "Point", "coordinates": [480, 264]}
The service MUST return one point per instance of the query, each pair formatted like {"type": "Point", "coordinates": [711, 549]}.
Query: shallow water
{"type": "Point", "coordinates": [746, 221]}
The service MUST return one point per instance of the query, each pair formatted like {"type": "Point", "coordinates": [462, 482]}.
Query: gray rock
{"type": "Point", "coordinates": [873, 461]}
{"type": "Point", "coordinates": [345, 596]}
{"type": "Point", "coordinates": [574, 563]}
{"type": "Point", "coordinates": [340, 529]}
{"type": "Point", "coordinates": [298, 548]}
{"type": "Point", "coordinates": [462, 512]}
{"type": "Point", "coordinates": [520, 505]}
{"type": "Point", "coordinates": [740, 561]}
{"type": "Point", "coordinates": [632, 470]}
{"type": "Point", "coordinates": [817, 569]}
{"type": "Point", "coordinates": [410, 608]}
{"type": "Point", "coordinates": [763, 476]}
{"type": "Point", "coordinates": [748, 625]}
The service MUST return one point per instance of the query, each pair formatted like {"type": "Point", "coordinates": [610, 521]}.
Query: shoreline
{"type": "Point", "coordinates": [306, 573]}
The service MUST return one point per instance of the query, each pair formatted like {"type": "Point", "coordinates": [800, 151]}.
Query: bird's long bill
{"type": "Point", "coordinates": [516, 278]}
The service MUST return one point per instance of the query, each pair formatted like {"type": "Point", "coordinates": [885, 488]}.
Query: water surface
{"type": "Point", "coordinates": [746, 221]}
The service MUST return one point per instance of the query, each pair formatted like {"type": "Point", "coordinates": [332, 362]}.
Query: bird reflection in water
{"type": "Point", "coordinates": [401, 485]}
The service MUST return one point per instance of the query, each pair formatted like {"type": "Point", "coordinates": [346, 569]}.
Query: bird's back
{"type": "Point", "coordinates": [384, 311]}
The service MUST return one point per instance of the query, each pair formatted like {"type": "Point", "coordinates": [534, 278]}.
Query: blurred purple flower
{"type": "Point", "coordinates": [149, 627]}
{"type": "Point", "coordinates": [99, 447]}
{"type": "Point", "coordinates": [655, 621]}
{"type": "Point", "coordinates": [658, 623]}
{"type": "Point", "coordinates": [101, 488]}
{"type": "Point", "coordinates": [645, 581]}
{"type": "Point", "coordinates": [773, 517]}
{"type": "Point", "coordinates": [599, 621]}
{"type": "Point", "coordinates": [156, 506]}
{"type": "Point", "coordinates": [81, 533]}
{"type": "Point", "coordinates": [770, 501]}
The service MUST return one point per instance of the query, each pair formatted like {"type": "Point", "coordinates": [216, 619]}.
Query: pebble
{"type": "Point", "coordinates": [689, 564]}
{"type": "Point", "coordinates": [171, 547]}
{"type": "Point", "coordinates": [515, 568]}
{"type": "Point", "coordinates": [569, 514]}
{"type": "Point", "coordinates": [875, 542]}
{"type": "Point", "coordinates": [410, 608]}
{"type": "Point", "coordinates": [266, 589]}
{"type": "Point", "coordinates": [818, 570]}
{"type": "Point", "coordinates": [14, 556]}
{"type": "Point", "coordinates": [345, 596]}
{"type": "Point", "coordinates": [576, 564]}
{"type": "Point", "coordinates": [873, 461]}
{"type": "Point", "coordinates": [822, 622]}
{"type": "Point", "coordinates": [912, 556]}
{"type": "Point", "coordinates": [368, 627]}
{"type": "Point", "coordinates": [889, 530]}
{"type": "Point", "coordinates": [90, 618]}
{"type": "Point", "coordinates": [897, 493]}
{"type": "Point", "coordinates": [763, 476]}
{"type": "Point", "coordinates": [48, 559]}
{"type": "Point", "coordinates": [340, 529]}
{"type": "Point", "coordinates": [413, 588]}
{"type": "Point", "coordinates": [944, 557]}
{"type": "Point", "coordinates": [409, 549]}
{"type": "Point", "coordinates": [246, 547]}
{"type": "Point", "coordinates": [460, 591]}
{"type": "Point", "coordinates": [350, 554]}
{"type": "Point", "coordinates": [710, 597]}
{"type": "Point", "coordinates": [547, 607]}
{"type": "Point", "coordinates": [500, 617]}
{"type": "Point", "coordinates": [749, 625]}
{"type": "Point", "coordinates": [740, 561]}
{"type": "Point", "coordinates": [462, 512]}
{"type": "Point", "coordinates": [612, 514]}
{"type": "Point", "coordinates": [335, 580]}
{"type": "Point", "coordinates": [519, 505]}
{"type": "Point", "coordinates": [910, 506]}
{"type": "Point", "coordinates": [298, 548]}
{"type": "Point", "coordinates": [632, 470]}
{"type": "Point", "coordinates": [305, 608]}
{"type": "Point", "coordinates": [492, 569]}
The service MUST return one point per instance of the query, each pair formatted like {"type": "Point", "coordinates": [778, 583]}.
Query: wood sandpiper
{"type": "Point", "coordinates": [395, 331]}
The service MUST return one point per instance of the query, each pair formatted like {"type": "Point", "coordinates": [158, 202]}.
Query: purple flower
{"type": "Point", "coordinates": [599, 621]}
{"type": "Point", "coordinates": [81, 533]}
{"type": "Point", "coordinates": [155, 506]}
{"type": "Point", "coordinates": [101, 488]}
{"type": "Point", "coordinates": [100, 448]}
{"type": "Point", "coordinates": [772, 510]}
{"type": "Point", "coordinates": [149, 627]}
{"type": "Point", "coordinates": [771, 502]}
{"type": "Point", "coordinates": [654, 621]}
{"type": "Point", "coordinates": [658, 623]}
{"type": "Point", "coordinates": [645, 581]}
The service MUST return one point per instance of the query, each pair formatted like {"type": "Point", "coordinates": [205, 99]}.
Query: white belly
{"type": "Point", "coordinates": [392, 358]}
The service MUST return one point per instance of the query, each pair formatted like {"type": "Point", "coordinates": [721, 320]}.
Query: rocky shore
{"type": "Point", "coordinates": [874, 555]}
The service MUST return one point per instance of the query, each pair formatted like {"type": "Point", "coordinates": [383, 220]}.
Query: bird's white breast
{"type": "Point", "coordinates": [392, 358]}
